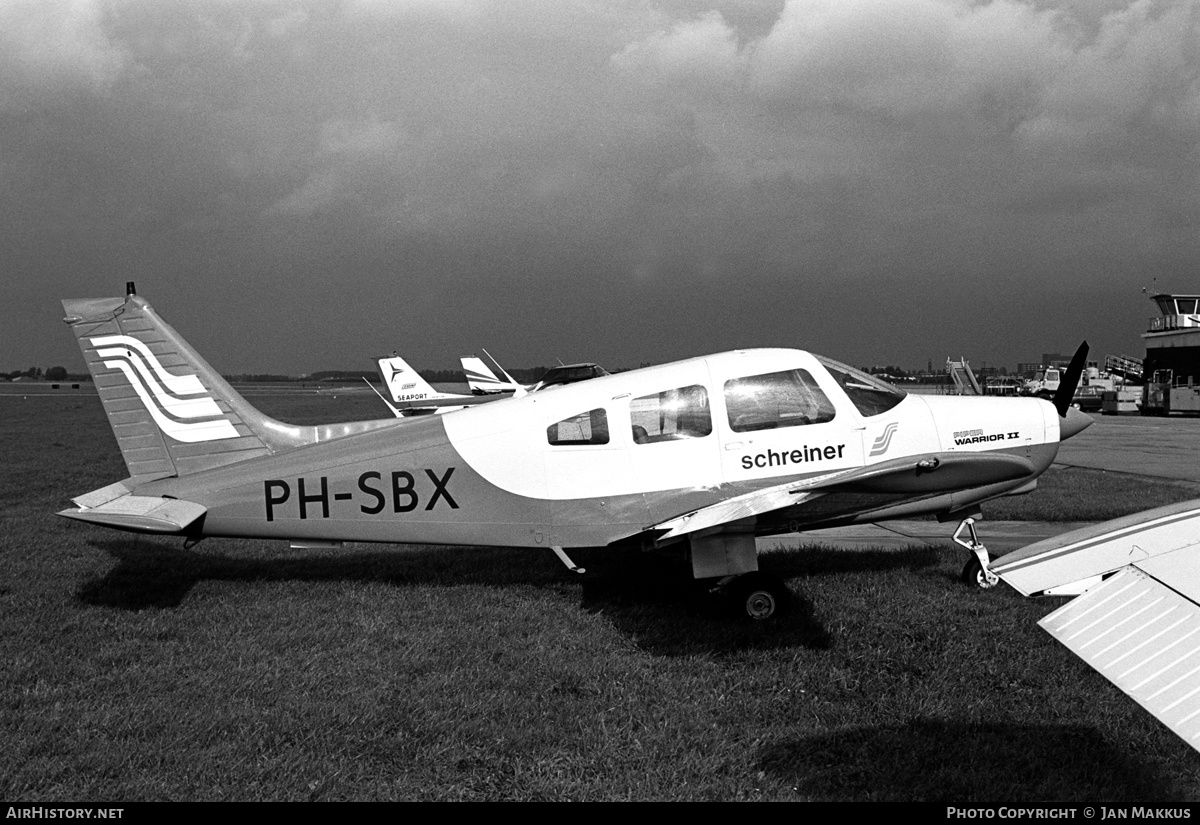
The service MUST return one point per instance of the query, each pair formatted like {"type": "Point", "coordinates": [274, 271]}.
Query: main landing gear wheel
{"type": "Point", "coordinates": [758, 597]}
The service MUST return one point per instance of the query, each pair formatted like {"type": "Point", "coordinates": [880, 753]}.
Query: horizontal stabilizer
{"type": "Point", "coordinates": [140, 514]}
{"type": "Point", "coordinates": [1144, 637]}
{"type": "Point", "coordinates": [1157, 535]}
{"type": "Point", "coordinates": [102, 496]}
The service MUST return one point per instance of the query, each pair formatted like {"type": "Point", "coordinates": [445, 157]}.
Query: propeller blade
{"type": "Point", "coordinates": [1069, 383]}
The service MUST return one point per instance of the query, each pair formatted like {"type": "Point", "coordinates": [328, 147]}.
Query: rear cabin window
{"type": "Point", "coordinates": [869, 395]}
{"type": "Point", "coordinates": [590, 427]}
{"type": "Point", "coordinates": [777, 399]}
{"type": "Point", "coordinates": [671, 415]}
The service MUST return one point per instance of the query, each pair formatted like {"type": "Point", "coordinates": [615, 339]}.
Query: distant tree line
{"type": "Point", "coordinates": [524, 376]}
{"type": "Point", "coordinates": [259, 378]}
{"type": "Point", "coordinates": [890, 369]}
{"type": "Point", "coordinates": [51, 374]}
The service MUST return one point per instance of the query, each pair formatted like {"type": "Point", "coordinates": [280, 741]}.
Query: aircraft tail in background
{"type": "Point", "coordinates": [413, 395]}
{"type": "Point", "coordinates": [480, 378]}
{"type": "Point", "coordinates": [483, 380]}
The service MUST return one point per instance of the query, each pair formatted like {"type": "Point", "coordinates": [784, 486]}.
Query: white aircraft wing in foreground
{"type": "Point", "coordinates": [1138, 618]}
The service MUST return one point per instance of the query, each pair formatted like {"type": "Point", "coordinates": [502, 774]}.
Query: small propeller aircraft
{"type": "Point", "coordinates": [413, 395]}
{"type": "Point", "coordinates": [483, 381]}
{"type": "Point", "coordinates": [696, 457]}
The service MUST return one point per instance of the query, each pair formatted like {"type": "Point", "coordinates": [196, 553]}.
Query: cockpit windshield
{"type": "Point", "coordinates": [869, 395]}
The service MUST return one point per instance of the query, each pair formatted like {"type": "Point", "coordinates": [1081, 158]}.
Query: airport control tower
{"type": "Point", "coordinates": [1172, 366]}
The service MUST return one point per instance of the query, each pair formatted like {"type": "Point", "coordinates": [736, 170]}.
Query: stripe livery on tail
{"type": "Point", "coordinates": [171, 412]}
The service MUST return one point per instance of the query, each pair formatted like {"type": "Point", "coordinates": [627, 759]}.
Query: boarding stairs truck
{"type": "Point", "coordinates": [964, 379]}
{"type": "Point", "coordinates": [1124, 397]}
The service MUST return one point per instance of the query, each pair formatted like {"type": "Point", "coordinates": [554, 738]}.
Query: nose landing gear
{"type": "Point", "coordinates": [976, 572]}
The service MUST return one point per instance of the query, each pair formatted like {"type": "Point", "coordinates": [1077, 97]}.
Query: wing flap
{"type": "Point", "coordinates": [733, 509]}
{"type": "Point", "coordinates": [1144, 637]}
{"type": "Point", "coordinates": [1180, 568]}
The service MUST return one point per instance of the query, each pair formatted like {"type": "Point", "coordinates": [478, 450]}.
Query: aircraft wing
{"type": "Point", "coordinates": [732, 509]}
{"type": "Point", "coordinates": [1138, 620]}
{"type": "Point", "coordinates": [921, 474]}
{"type": "Point", "coordinates": [1068, 564]}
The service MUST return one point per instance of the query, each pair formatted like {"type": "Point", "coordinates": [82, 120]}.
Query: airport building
{"type": "Point", "coordinates": [1172, 365]}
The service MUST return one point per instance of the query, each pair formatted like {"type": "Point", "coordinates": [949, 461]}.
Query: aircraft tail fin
{"type": "Point", "coordinates": [483, 380]}
{"type": "Point", "coordinates": [509, 382]}
{"type": "Point", "coordinates": [171, 412]}
{"type": "Point", "coordinates": [404, 384]}
{"type": "Point", "coordinates": [480, 377]}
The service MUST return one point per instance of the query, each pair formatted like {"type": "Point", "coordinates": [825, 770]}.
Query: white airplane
{"type": "Point", "coordinates": [483, 381]}
{"type": "Point", "coordinates": [1137, 620]}
{"type": "Point", "coordinates": [413, 395]}
{"type": "Point", "coordinates": [695, 457]}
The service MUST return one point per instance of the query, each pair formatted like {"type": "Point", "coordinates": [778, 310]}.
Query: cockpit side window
{"type": "Point", "coordinates": [671, 415]}
{"type": "Point", "coordinates": [869, 395]}
{"type": "Point", "coordinates": [590, 427]}
{"type": "Point", "coordinates": [777, 399]}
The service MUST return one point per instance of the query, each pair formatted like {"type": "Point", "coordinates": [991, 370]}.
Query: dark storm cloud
{"type": "Point", "coordinates": [883, 181]}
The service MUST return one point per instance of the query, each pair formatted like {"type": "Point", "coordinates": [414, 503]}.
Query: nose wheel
{"type": "Point", "coordinates": [976, 572]}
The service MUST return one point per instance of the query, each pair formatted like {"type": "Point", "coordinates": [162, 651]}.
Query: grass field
{"type": "Point", "coordinates": [133, 669]}
{"type": "Point", "coordinates": [1081, 494]}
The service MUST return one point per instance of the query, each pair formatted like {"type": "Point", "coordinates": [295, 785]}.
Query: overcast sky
{"type": "Point", "coordinates": [299, 185]}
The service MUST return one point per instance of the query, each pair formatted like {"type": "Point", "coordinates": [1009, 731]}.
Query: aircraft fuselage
{"type": "Point", "coordinates": [600, 461]}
